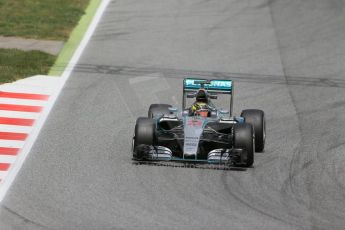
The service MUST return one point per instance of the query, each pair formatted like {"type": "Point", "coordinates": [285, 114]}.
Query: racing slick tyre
{"type": "Point", "coordinates": [144, 136]}
{"type": "Point", "coordinates": [244, 139]}
{"type": "Point", "coordinates": [156, 109]}
{"type": "Point", "coordinates": [256, 118]}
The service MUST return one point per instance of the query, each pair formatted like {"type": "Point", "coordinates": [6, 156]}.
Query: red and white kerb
{"type": "Point", "coordinates": [18, 113]}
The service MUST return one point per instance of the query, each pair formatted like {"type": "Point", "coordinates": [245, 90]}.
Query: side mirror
{"type": "Point", "coordinates": [224, 111]}
{"type": "Point", "coordinates": [213, 114]}
{"type": "Point", "coordinates": [214, 96]}
{"type": "Point", "coordinates": [172, 109]}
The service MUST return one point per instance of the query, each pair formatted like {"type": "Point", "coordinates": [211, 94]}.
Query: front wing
{"type": "Point", "coordinates": [161, 153]}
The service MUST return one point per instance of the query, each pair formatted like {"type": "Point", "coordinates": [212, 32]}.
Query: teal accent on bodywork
{"type": "Point", "coordinates": [239, 119]}
{"type": "Point", "coordinates": [222, 85]}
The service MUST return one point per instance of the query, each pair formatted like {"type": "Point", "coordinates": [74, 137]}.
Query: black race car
{"type": "Point", "coordinates": [215, 138]}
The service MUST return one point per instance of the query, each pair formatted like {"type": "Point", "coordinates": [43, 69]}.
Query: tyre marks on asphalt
{"type": "Point", "coordinates": [142, 86]}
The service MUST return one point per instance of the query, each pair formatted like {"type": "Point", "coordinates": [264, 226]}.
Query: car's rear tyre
{"type": "Point", "coordinates": [144, 135]}
{"type": "Point", "coordinates": [243, 139]}
{"type": "Point", "coordinates": [158, 109]}
{"type": "Point", "coordinates": [256, 118]}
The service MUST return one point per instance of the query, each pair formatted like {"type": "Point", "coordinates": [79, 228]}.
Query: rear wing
{"type": "Point", "coordinates": [215, 86]}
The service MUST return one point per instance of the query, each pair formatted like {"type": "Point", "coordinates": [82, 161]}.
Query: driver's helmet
{"type": "Point", "coordinates": [200, 107]}
{"type": "Point", "coordinates": [201, 96]}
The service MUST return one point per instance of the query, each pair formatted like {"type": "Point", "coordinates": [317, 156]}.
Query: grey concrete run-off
{"type": "Point", "coordinates": [50, 47]}
{"type": "Point", "coordinates": [286, 57]}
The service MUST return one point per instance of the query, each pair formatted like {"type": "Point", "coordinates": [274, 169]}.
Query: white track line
{"type": "Point", "coordinates": [14, 169]}
{"type": "Point", "coordinates": [26, 88]}
{"type": "Point", "coordinates": [3, 174]}
{"type": "Point", "coordinates": [15, 128]}
{"type": "Point", "coordinates": [15, 114]}
{"type": "Point", "coordinates": [11, 144]}
{"type": "Point", "coordinates": [13, 101]}
{"type": "Point", "coordinates": [7, 159]}
{"type": "Point", "coordinates": [38, 84]}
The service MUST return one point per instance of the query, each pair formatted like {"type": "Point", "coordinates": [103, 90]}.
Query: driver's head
{"type": "Point", "coordinates": [201, 96]}
{"type": "Point", "coordinates": [202, 113]}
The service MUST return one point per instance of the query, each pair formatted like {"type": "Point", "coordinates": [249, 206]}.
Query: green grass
{"type": "Point", "coordinates": [16, 64]}
{"type": "Point", "coordinates": [75, 38]}
{"type": "Point", "coordinates": [40, 19]}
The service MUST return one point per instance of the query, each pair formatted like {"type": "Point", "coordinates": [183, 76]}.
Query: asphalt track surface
{"type": "Point", "coordinates": [287, 58]}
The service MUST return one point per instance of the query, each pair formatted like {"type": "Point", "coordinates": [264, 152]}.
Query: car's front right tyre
{"type": "Point", "coordinates": [158, 109]}
{"type": "Point", "coordinates": [144, 135]}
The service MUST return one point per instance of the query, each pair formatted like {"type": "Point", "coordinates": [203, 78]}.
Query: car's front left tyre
{"type": "Point", "coordinates": [256, 118]}
{"type": "Point", "coordinates": [243, 138]}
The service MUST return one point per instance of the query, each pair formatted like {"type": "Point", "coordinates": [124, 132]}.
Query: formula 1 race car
{"type": "Point", "coordinates": [208, 135]}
